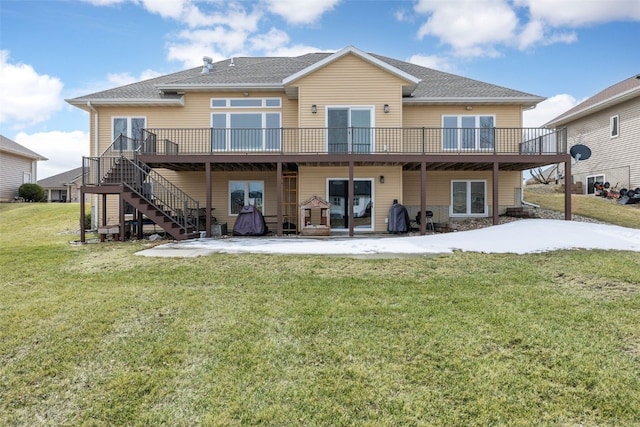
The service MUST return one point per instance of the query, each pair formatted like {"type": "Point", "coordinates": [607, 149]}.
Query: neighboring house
{"type": "Point", "coordinates": [18, 165]}
{"type": "Point", "coordinates": [64, 187]}
{"type": "Point", "coordinates": [276, 131]}
{"type": "Point", "coordinates": [609, 124]}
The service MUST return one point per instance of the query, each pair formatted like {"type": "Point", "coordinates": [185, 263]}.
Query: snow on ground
{"type": "Point", "coordinates": [519, 237]}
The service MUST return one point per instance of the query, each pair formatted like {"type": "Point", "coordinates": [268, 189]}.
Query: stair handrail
{"type": "Point", "coordinates": [163, 195]}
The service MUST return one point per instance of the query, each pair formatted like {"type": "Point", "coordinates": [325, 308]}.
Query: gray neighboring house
{"type": "Point", "coordinates": [609, 124]}
{"type": "Point", "coordinates": [18, 165]}
{"type": "Point", "coordinates": [64, 187]}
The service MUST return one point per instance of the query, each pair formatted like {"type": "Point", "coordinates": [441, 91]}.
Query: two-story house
{"type": "Point", "coordinates": [353, 128]}
{"type": "Point", "coordinates": [609, 124]}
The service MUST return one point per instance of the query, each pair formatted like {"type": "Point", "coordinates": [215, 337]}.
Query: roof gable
{"type": "Point", "coordinates": [350, 50]}
{"type": "Point", "coordinates": [613, 95]}
{"type": "Point", "coordinates": [10, 146]}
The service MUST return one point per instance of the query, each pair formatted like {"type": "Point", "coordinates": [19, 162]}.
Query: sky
{"type": "Point", "coordinates": [534, 235]}
{"type": "Point", "coordinates": [52, 50]}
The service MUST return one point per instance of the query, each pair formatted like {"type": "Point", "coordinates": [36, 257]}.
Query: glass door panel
{"type": "Point", "coordinates": [361, 204]}
{"type": "Point", "coordinates": [338, 130]}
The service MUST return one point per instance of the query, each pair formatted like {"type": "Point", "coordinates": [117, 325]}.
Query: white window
{"type": "Point", "coordinates": [245, 131]}
{"type": "Point", "coordinates": [129, 127]}
{"type": "Point", "coordinates": [243, 193]}
{"type": "Point", "coordinates": [614, 126]}
{"type": "Point", "coordinates": [246, 102]}
{"type": "Point", "coordinates": [468, 198]}
{"type": "Point", "coordinates": [592, 181]}
{"type": "Point", "coordinates": [26, 177]}
{"type": "Point", "coordinates": [468, 132]}
{"type": "Point", "coordinates": [250, 131]}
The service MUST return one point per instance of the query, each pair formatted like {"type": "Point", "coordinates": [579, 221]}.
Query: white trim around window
{"type": "Point", "coordinates": [129, 126]}
{"type": "Point", "coordinates": [468, 132]}
{"type": "Point", "coordinates": [240, 193]}
{"type": "Point", "coordinates": [469, 198]}
{"type": "Point", "coordinates": [246, 131]}
{"type": "Point", "coordinates": [246, 103]}
{"type": "Point", "coordinates": [614, 126]}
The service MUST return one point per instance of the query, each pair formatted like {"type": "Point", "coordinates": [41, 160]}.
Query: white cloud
{"type": "Point", "coordinates": [218, 43]}
{"type": "Point", "coordinates": [432, 61]}
{"type": "Point", "coordinates": [26, 97]}
{"type": "Point", "coordinates": [548, 110]}
{"type": "Point", "coordinates": [63, 149]}
{"type": "Point", "coordinates": [121, 79]}
{"type": "Point", "coordinates": [573, 14]}
{"type": "Point", "coordinates": [167, 9]}
{"type": "Point", "coordinates": [300, 12]}
{"type": "Point", "coordinates": [471, 27]}
{"type": "Point", "coordinates": [482, 27]}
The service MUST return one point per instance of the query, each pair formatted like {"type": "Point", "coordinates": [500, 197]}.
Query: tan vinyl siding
{"type": "Point", "coordinates": [349, 81]}
{"type": "Point", "coordinates": [314, 180]}
{"type": "Point", "coordinates": [438, 191]}
{"type": "Point", "coordinates": [430, 116]}
{"type": "Point", "coordinates": [615, 158]}
{"type": "Point", "coordinates": [196, 113]}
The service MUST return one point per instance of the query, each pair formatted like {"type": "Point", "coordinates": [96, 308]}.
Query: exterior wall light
{"type": "Point", "coordinates": [314, 109]}
{"type": "Point", "coordinates": [381, 179]}
{"type": "Point", "coordinates": [468, 108]}
{"type": "Point", "coordinates": [386, 108]}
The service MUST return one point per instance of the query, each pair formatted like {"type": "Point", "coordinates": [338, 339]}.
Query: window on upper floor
{"type": "Point", "coordinates": [246, 102]}
{"type": "Point", "coordinates": [130, 127]}
{"type": "Point", "coordinates": [468, 132]}
{"type": "Point", "coordinates": [246, 131]}
{"type": "Point", "coordinates": [614, 126]}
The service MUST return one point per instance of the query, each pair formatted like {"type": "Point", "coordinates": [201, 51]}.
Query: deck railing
{"type": "Point", "coordinates": [354, 140]}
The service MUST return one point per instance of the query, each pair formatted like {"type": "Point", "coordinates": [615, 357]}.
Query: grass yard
{"type": "Point", "coordinates": [607, 210]}
{"type": "Point", "coordinates": [94, 335]}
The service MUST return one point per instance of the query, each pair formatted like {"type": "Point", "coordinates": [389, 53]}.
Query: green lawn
{"type": "Point", "coordinates": [603, 209]}
{"type": "Point", "coordinates": [94, 335]}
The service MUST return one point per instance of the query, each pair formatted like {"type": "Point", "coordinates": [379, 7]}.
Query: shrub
{"type": "Point", "coordinates": [87, 221]}
{"type": "Point", "coordinates": [31, 192]}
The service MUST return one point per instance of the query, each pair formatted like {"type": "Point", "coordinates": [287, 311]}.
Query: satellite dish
{"type": "Point", "coordinates": [580, 152]}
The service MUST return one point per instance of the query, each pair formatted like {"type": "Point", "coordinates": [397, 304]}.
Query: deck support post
{"type": "Point", "coordinates": [123, 233]}
{"type": "Point", "coordinates": [350, 199]}
{"type": "Point", "coordinates": [567, 189]}
{"type": "Point", "coordinates": [423, 198]}
{"type": "Point", "coordinates": [279, 198]}
{"type": "Point", "coordinates": [496, 199]}
{"type": "Point", "coordinates": [83, 238]}
{"type": "Point", "coordinates": [207, 172]}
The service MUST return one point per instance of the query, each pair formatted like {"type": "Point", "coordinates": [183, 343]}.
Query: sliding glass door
{"type": "Point", "coordinates": [349, 129]}
{"type": "Point", "coordinates": [362, 204]}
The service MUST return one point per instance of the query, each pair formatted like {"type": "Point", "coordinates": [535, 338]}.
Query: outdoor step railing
{"type": "Point", "coordinates": [354, 140]}
{"type": "Point", "coordinates": [118, 166]}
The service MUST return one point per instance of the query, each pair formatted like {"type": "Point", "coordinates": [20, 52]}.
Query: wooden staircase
{"type": "Point", "coordinates": [147, 191]}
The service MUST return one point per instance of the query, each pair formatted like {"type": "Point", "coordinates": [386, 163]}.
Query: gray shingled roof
{"type": "Point", "coordinates": [271, 71]}
{"type": "Point", "coordinates": [61, 179]}
{"type": "Point", "coordinates": [619, 92]}
{"type": "Point", "coordinates": [11, 146]}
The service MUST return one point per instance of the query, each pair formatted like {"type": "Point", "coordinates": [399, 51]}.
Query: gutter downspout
{"type": "Point", "coordinates": [94, 211]}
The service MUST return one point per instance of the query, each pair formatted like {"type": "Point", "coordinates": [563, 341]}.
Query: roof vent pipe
{"type": "Point", "coordinates": [208, 64]}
